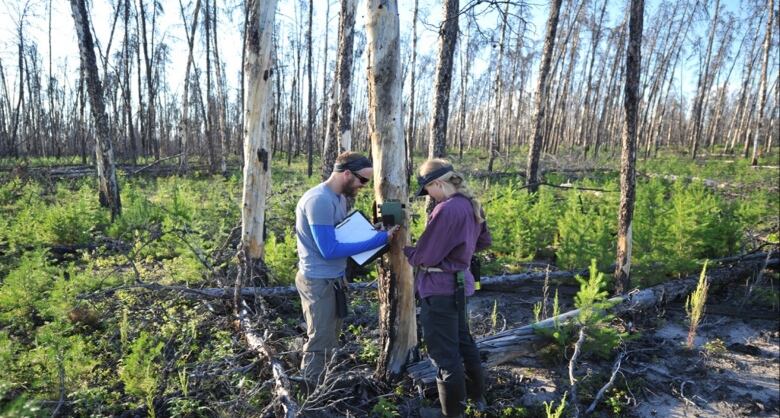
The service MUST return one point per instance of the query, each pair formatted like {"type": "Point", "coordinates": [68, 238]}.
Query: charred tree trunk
{"type": "Point", "coordinates": [532, 171]}
{"type": "Point", "coordinates": [339, 133]}
{"type": "Point", "coordinates": [448, 35]}
{"type": "Point", "coordinates": [397, 327]}
{"type": "Point", "coordinates": [107, 184]}
{"type": "Point", "coordinates": [628, 158]}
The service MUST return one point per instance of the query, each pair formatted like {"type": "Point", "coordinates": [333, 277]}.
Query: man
{"type": "Point", "coordinates": [322, 259]}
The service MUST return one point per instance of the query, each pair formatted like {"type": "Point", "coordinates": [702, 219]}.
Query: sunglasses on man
{"type": "Point", "coordinates": [362, 179]}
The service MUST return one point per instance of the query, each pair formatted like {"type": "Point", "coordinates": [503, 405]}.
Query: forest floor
{"type": "Point", "coordinates": [86, 330]}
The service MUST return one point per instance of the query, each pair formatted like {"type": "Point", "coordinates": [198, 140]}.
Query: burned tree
{"type": "Point", "coordinates": [397, 327]}
{"type": "Point", "coordinates": [532, 171]}
{"type": "Point", "coordinates": [628, 157]}
{"type": "Point", "coordinates": [108, 187]}
{"type": "Point", "coordinates": [448, 36]}
{"type": "Point", "coordinates": [258, 90]}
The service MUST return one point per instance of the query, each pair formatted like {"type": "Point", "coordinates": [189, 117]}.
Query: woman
{"type": "Point", "coordinates": [456, 229]}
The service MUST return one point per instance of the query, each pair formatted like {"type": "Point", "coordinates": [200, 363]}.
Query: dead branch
{"type": "Point", "coordinates": [259, 345]}
{"type": "Point", "coordinates": [605, 388]}
{"type": "Point", "coordinates": [572, 364]}
{"type": "Point", "coordinates": [154, 163]}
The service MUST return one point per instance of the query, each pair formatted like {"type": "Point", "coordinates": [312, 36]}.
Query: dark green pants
{"type": "Point", "coordinates": [452, 350]}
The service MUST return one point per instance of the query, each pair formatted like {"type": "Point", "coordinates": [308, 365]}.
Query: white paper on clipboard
{"type": "Point", "coordinates": [356, 228]}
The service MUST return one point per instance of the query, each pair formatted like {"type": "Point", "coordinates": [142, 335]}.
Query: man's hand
{"type": "Point", "coordinates": [391, 232]}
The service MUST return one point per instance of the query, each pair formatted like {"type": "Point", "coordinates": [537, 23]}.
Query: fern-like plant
{"type": "Point", "coordinates": [694, 305]}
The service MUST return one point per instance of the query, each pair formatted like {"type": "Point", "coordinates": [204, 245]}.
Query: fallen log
{"type": "Point", "coordinates": [524, 341]}
{"type": "Point", "coordinates": [491, 283]}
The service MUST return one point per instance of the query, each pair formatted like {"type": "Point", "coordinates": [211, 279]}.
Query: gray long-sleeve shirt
{"type": "Point", "coordinates": [451, 237]}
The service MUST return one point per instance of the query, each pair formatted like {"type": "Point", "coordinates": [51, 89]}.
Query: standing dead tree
{"type": "Point", "coordinates": [532, 171]}
{"type": "Point", "coordinates": [108, 188]}
{"type": "Point", "coordinates": [762, 88]}
{"type": "Point", "coordinates": [257, 158]}
{"type": "Point", "coordinates": [448, 35]}
{"type": "Point", "coordinates": [631, 100]}
{"type": "Point", "coordinates": [397, 326]}
{"type": "Point", "coordinates": [339, 131]}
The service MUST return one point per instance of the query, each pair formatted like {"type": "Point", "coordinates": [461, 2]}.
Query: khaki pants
{"type": "Point", "coordinates": [318, 301]}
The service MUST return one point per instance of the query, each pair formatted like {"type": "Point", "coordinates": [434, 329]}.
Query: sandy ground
{"type": "Point", "coordinates": [733, 370]}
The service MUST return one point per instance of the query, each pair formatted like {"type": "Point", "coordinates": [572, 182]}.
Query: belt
{"type": "Point", "coordinates": [431, 269]}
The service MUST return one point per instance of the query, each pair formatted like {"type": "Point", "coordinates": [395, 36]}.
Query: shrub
{"type": "Point", "coordinates": [586, 231]}
{"type": "Point", "coordinates": [281, 257]}
{"type": "Point", "coordinates": [23, 294]}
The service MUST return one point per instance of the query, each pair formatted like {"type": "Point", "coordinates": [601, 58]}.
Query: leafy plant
{"type": "Point", "coordinates": [385, 408]}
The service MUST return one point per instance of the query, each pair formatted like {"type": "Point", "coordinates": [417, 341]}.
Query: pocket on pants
{"type": "Point", "coordinates": [342, 309]}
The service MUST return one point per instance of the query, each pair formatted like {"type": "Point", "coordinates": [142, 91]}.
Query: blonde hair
{"type": "Point", "coordinates": [455, 179]}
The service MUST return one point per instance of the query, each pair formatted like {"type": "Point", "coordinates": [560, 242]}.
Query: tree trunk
{"type": "Point", "coordinates": [762, 88]}
{"type": "Point", "coordinates": [183, 128]}
{"type": "Point", "coordinates": [409, 137]}
{"type": "Point", "coordinates": [448, 36]}
{"type": "Point", "coordinates": [498, 93]}
{"type": "Point", "coordinates": [107, 185]}
{"type": "Point", "coordinates": [338, 135]}
{"type": "Point", "coordinates": [310, 98]}
{"type": "Point", "coordinates": [221, 98]}
{"type": "Point", "coordinates": [397, 326]}
{"type": "Point", "coordinates": [150, 89]}
{"type": "Point", "coordinates": [532, 171]}
{"type": "Point", "coordinates": [345, 76]}
{"type": "Point", "coordinates": [258, 94]}
{"type": "Point", "coordinates": [702, 85]}
{"type": "Point", "coordinates": [628, 158]}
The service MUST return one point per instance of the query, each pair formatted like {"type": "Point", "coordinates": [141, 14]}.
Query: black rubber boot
{"type": "Point", "coordinates": [452, 395]}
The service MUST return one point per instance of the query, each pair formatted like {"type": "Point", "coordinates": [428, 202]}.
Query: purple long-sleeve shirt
{"type": "Point", "coordinates": [451, 237]}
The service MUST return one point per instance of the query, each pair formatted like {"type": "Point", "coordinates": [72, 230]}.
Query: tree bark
{"type": "Point", "coordinates": [107, 184]}
{"type": "Point", "coordinates": [221, 98]}
{"type": "Point", "coordinates": [339, 132]}
{"type": "Point", "coordinates": [258, 94]}
{"type": "Point", "coordinates": [448, 36]}
{"type": "Point", "coordinates": [183, 128]}
{"type": "Point", "coordinates": [310, 97]}
{"type": "Point", "coordinates": [762, 88]}
{"type": "Point", "coordinates": [397, 326]}
{"type": "Point", "coordinates": [631, 98]}
{"type": "Point", "coordinates": [702, 86]}
{"type": "Point", "coordinates": [409, 137]}
{"type": "Point", "coordinates": [498, 93]}
{"type": "Point", "coordinates": [535, 148]}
